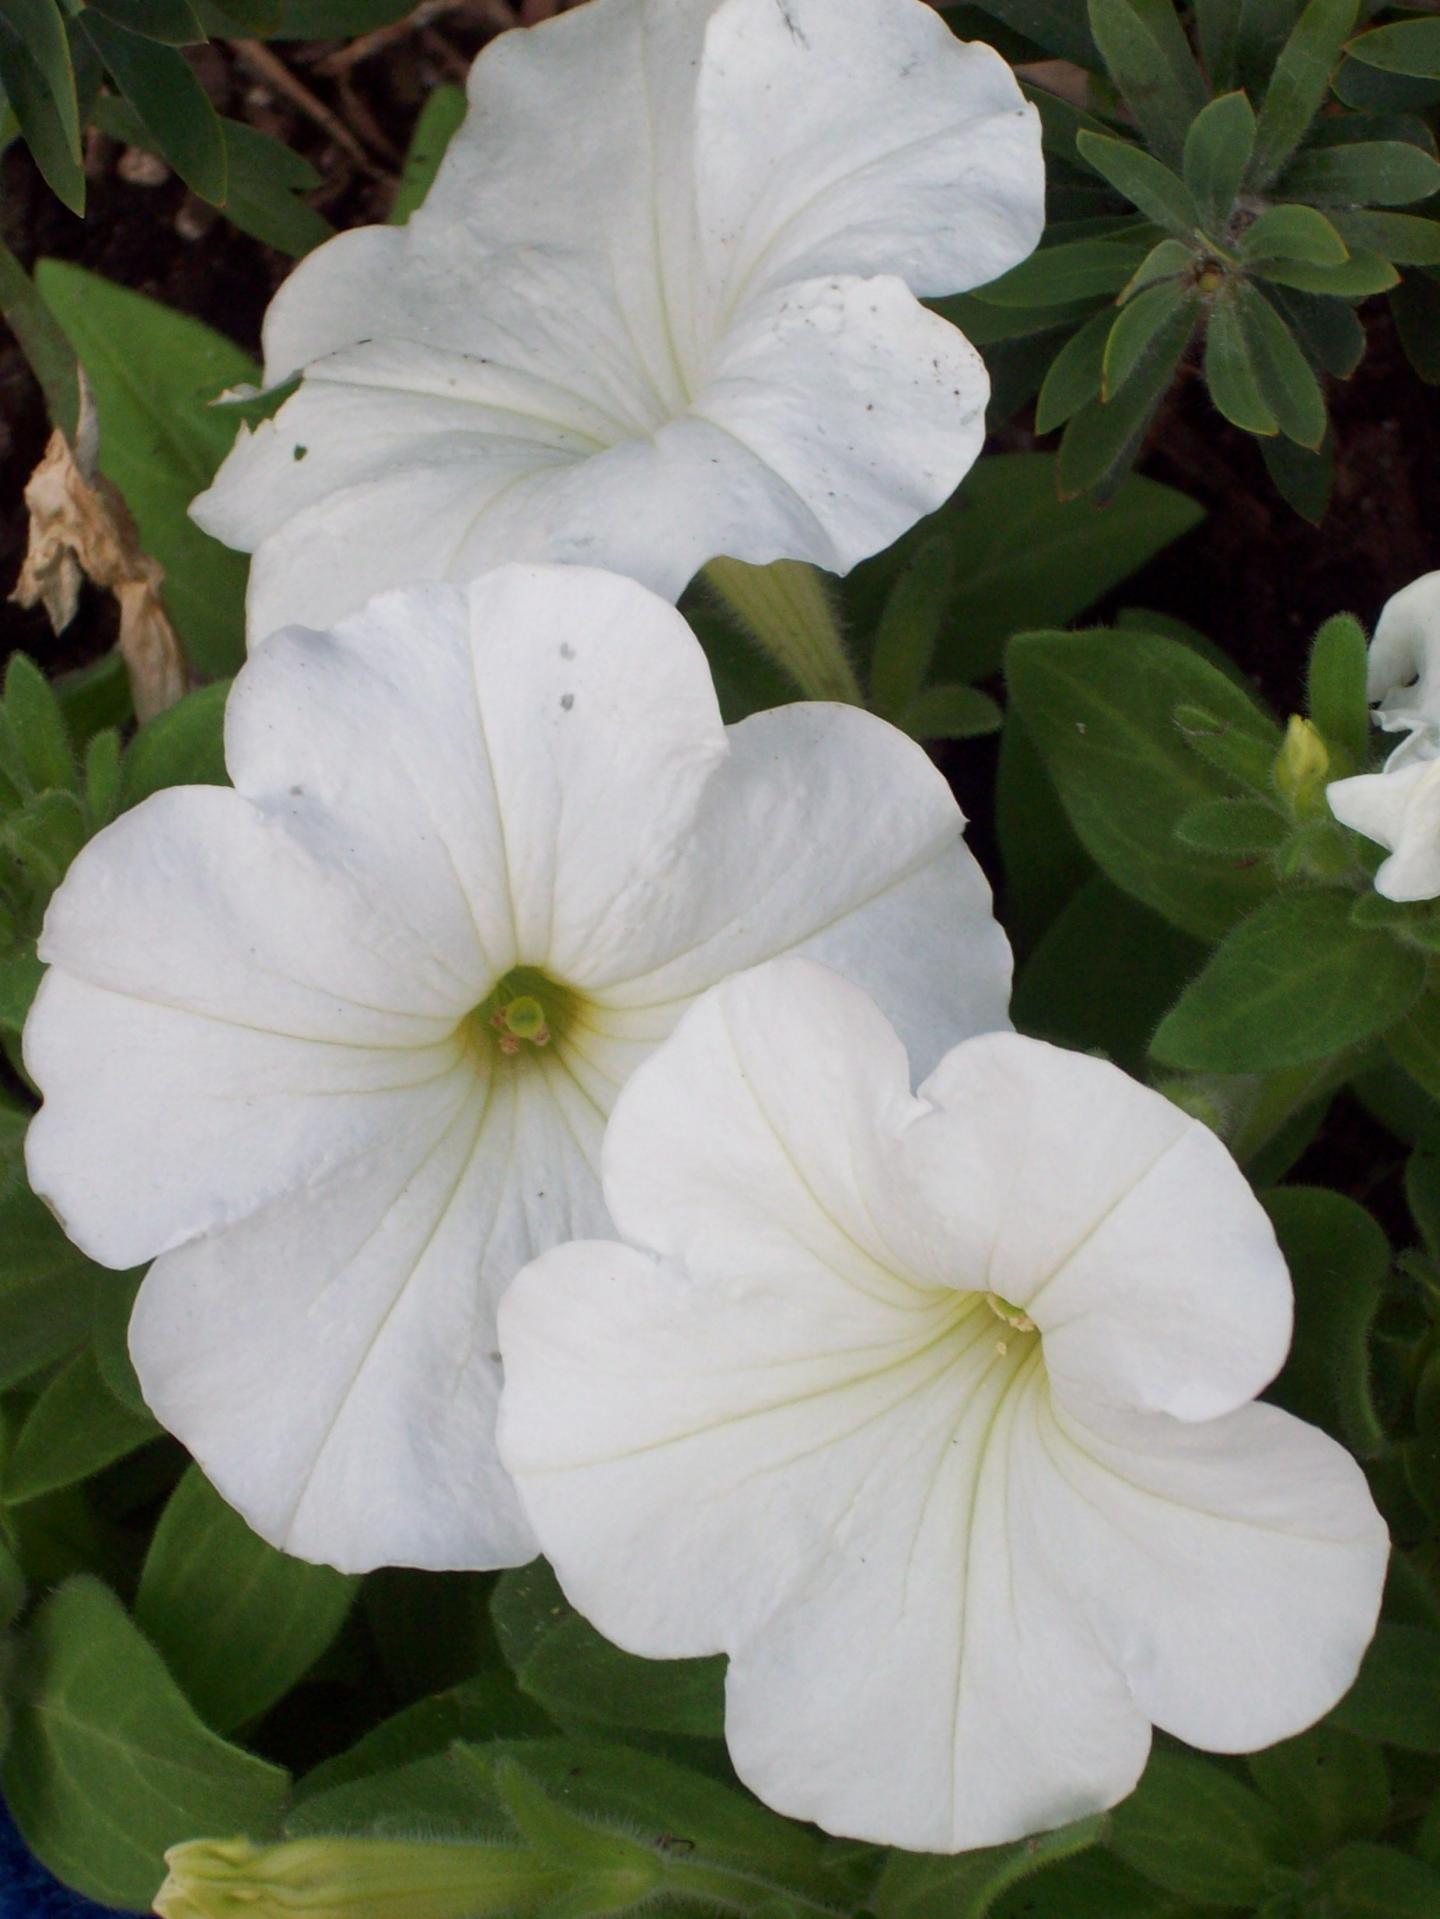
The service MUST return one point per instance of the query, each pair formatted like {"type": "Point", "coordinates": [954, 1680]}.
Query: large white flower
{"type": "Point", "coordinates": [658, 307]}
{"type": "Point", "coordinates": [339, 1045]}
{"type": "Point", "coordinates": [933, 1412]}
{"type": "Point", "coordinates": [1399, 808]}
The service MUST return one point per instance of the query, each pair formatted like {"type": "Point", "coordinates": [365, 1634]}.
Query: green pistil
{"type": "Point", "coordinates": [526, 1010]}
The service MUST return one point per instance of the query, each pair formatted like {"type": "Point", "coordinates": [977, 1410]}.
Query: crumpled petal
{"type": "Point", "coordinates": [795, 1403]}
{"type": "Point", "coordinates": [1400, 809]}
{"type": "Point", "coordinates": [689, 330]}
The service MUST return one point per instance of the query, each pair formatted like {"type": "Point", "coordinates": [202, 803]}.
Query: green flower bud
{"type": "Point", "coordinates": [1302, 766]}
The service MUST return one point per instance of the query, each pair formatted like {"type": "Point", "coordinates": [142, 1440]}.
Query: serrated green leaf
{"type": "Point", "coordinates": [76, 1427]}
{"type": "Point", "coordinates": [161, 86]}
{"type": "Point", "coordinates": [1100, 707]}
{"type": "Point", "coordinates": [154, 373]}
{"type": "Point", "coordinates": [1293, 233]}
{"type": "Point", "coordinates": [1193, 1830]}
{"type": "Point", "coordinates": [1230, 376]}
{"type": "Point", "coordinates": [1335, 690]}
{"type": "Point", "coordinates": [1396, 1699]}
{"type": "Point", "coordinates": [1339, 1260]}
{"type": "Point", "coordinates": [1385, 173]}
{"type": "Point", "coordinates": [172, 21]}
{"type": "Point", "coordinates": [1217, 154]}
{"type": "Point", "coordinates": [932, 1886]}
{"type": "Point", "coordinates": [1160, 194]}
{"type": "Point", "coordinates": [1327, 1785]}
{"type": "Point", "coordinates": [43, 124]}
{"type": "Point", "coordinates": [1074, 270]}
{"type": "Point", "coordinates": [1406, 46]}
{"type": "Point", "coordinates": [183, 746]}
{"type": "Point", "coordinates": [108, 1765]}
{"type": "Point", "coordinates": [1299, 84]}
{"type": "Point", "coordinates": [1295, 982]}
{"type": "Point", "coordinates": [438, 122]}
{"type": "Point", "coordinates": [909, 626]}
{"type": "Point", "coordinates": [1360, 276]}
{"type": "Point", "coordinates": [1147, 56]}
{"type": "Point", "coordinates": [952, 713]}
{"type": "Point", "coordinates": [1282, 372]}
{"type": "Point", "coordinates": [237, 1622]}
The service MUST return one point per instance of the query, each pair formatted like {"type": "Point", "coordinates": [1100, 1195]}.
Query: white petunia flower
{"type": "Point", "coordinates": [1399, 808]}
{"type": "Point", "coordinates": [339, 1045]}
{"type": "Point", "coordinates": [659, 307]}
{"type": "Point", "coordinates": [933, 1412]}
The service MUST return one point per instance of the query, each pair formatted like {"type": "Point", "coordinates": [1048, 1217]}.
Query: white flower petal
{"type": "Point", "coordinates": [1404, 662]}
{"type": "Point", "coordinates": [331, 1361]}
{"type": "Point", "coordinates": [1231, 1569]}
{"type": "Point", "coordinates": [1399, 808]}
{"type": "Point", "coordinates": [687, 328]}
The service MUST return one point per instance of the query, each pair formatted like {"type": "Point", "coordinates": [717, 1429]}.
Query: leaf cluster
{"type": "Point", "coordinates": [1226, 199]}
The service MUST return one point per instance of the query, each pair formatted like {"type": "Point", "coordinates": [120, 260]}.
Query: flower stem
{"type": "Point", "coordinates": [787, 609]}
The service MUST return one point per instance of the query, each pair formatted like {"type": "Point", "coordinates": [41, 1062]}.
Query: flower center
{"type": "Point", "coordinates": [1012, 1316]}
{"type": "Point", "coordinates": [524, 1011]}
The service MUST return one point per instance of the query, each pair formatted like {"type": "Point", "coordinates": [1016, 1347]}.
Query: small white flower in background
{"type": "Point", "coordinates": [659, 307]}
{"type": "Point", "coordinates": [1399, 808]}
{"type": "Point", "coordinates": [338, 1046]}
{"type": "Point", "coordinates": [934, 1412]}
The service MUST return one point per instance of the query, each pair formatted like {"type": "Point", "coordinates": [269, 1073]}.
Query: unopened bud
{"type": "Point", "coordinates": [1302, 766]}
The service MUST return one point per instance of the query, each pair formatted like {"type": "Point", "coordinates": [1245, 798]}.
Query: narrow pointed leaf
{"type": "Point", "coordinates": [40, 26]}
{"type": "Point", "coordinates": [1299, 84]}
{"type": "Point", "coordinates": [161, 86]}
{"type": "Point", "coordinates": [909, 626]}
{"type": "Point", "coordinates": [1078, 270]}
{"type": "Point", "coordinates": [1141, 329]}
{"type": "Point", "coordinates": [1149, 59]}
{"type": "Point", "coordinates": [1230, 376]}
{"type": "Point", "coordinates": [1074, 376]}
{"type": "Point", "coordinates": [1217, 155]}
{"type": "Point", "coordinates": [41, 122]}
{"type": "Point", "coordinates": [1282, 372]}
{"type": "Point", "coordinates": [75, 1427]}
{"type": "Point", "coordinates": [1160, 194]}
{"type": "Point", "coordinates": [173, 22]}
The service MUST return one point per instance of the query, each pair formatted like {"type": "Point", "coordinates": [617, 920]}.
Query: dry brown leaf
{"type": "Point", "coordinates": [80, 528]}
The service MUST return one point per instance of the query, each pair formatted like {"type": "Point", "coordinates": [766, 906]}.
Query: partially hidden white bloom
{"type": "Point", "coordinates": [338, 1046]}
{"type": "Point", "coordinates": [1399, 808]}
{"type": "Point", "coordinates": [933, 1412]}
{"type": "Point", "coordinates": [659, 307]}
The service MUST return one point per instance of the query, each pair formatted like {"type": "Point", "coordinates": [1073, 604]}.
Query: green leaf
{"type": "Point", "coordinates": [1327, 1785]}
{"type": "Point", "coordinates": [1103, 438]}
{"type": "Point", "coordinates": [264, 178]}
{"type": "Point", "coordinates": [1293, 233]}
{"type": "Point", "coordinates": [1073, 379]}
{"type": "Point", "coordinates": [237, 1622]}
{"type": "Point", "coordinates": [1198, 1833]}
{"type": "Point", "coordinates": [44, 124]}
{"type": "Point", "coordinates": [1408, 46]}
{"type": "Point", "coordinates": [102, 778]}
{"type": "Point", "coordinates": [76, 1427]}
{"type": "Point", "coordinates": [109, 1338]}
{"type": "Point", "coordinates": [952, 713]}
{"type": "Point", "coordinates": [909, 627]}
{"type": "Point", "coordinates": [1043, 863]}
{"type": "Point", "coordinates": [1299, 84]}
{"type": "Point", "coordinates": [1378, 1882]}
{"type": "Point", "coordinates": [931, 1886]}
{"type": "Point", "coordinates": [1075, 270]}
{"type": "Point", "coordinates": [1232, 828]}
{"type": "Point", "coordinates": [108, 1765]}
{"type": "Point", "coordinates": [1149, 59]}
{"type": "Point", "coordinates": [1339, 1260]}
{"type": "Point", "coordinates": [171, 21]}
{"type": "Point", "coordinates": [161, 86]}
{"type": "Point", "coordinates": [1102, 974]}
{"type": "Point", "coordinates": [1230, 374]}
{"type": "Point", "coordinates": [1282, 372]}
{"type": "Point", "coordinates": [1302, 478]}
{"type": "Point", "coordinates": [1024, 557]}
{"type": "Point", "coordinates": [1357, 278]}
{"type": "Point", "coordinates": [1329, 331]}
{"type": "Point", "coordinates": [1057, 25]}
{"type": "Point", "coordinates": [1415, 303]}
{"type": "Point", "coordinates": [40, 26]}
{"type": "Point", "coordinates": [1335, 691]}
{"type": "Point", "coordinates": [1160, 194]}
{"type": "Point", "coordinates": [438, 122]}
{"type": "Point", "coordinates": [47, 1289]}
{"type": "Point", "coordinates": [1141, 330]}
{"type": "Point", "coordinates": [583, 1682]}
{"type": "Point", "coordinates": [41, 341]}
{"type": "Point", "coordinates": [154, 373]}
{"type": "Point", "coordinates": [1217, 154]}
{"type": "Point", "coordinates": [1404, 238]}
{"type": "Point", "coordinates": [1396, 1699]}
{"type": "Point", "coordinates": [1296, 981]}
{"type": "Point", "coordinates": [1166, 260]}
{"type": "Point", "coordinates": [485, 1707]}
{"type": "Point", "coordinates": [1386, 173]}
{"type": "Point", "coordinates": [1415, 1044]}
{"type": "Point", "coordinates": [336, 19]}
{"type": "Point", "coordinates": [1100, 708]}
{"type": "Point", "coordinates": [40, 729]}
{"type": "Point", "coordinates": [183, 746]}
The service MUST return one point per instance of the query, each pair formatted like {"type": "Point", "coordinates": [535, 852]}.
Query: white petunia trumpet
{"type": "Point", "coordinates": [1399, 807]}
{"type": "Point", "coordinates": [338, 1046]}
{"type": "Point", "coordinates": [933, 1412]}
{"type": "Point", "coordinates": [659, 307]}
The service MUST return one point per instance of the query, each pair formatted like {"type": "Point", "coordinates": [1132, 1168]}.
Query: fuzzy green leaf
{"type": "Point", "coordinates": [1407, 46]}
{"type": "Point", "coordinates": [1075, 270]}
{"type": "Point", "coordinates": [1217, 155]}
{"type": "Point", "coordinates": [1294, 233]}
{"type": "Point", "coordinates": [1149, 59]}
{"type": "Point", "coordinates": [1073, 379]}
{"type": "Point", "coordinates": [1160, 194]}
{"type": "Point", "coordinates": [917, 1885]}
{"type": "Point", "coordinates": [1405, 238]}
{"type": "Point", "coordinates": [1336, 698]}
{"type": "Point", "coordinates": [1230, 375]}
{"type": "Point", "coordinates": [1198, 1833]}
{"type": "Point", "coordinates": [1385, 173]}
{"type": "Point", "coordinates": [1299, 84]}
{"type": "Point", "coordinates": [1282, 372]}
